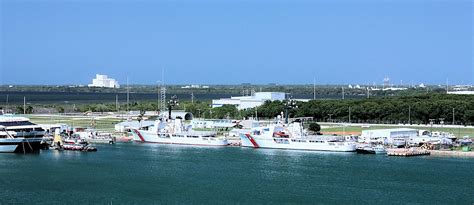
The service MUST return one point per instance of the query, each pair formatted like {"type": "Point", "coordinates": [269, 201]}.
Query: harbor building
{"type": "Point", "coordinates": [388, 135]}
{"type": "Point", "coordinates": [103, 81]}
{"type": "Point", "coordinates": [462, 92]}
{"type": "Point", "coordinates": [245, 102]}
{"type": "Point", "coordinates": [195, 86]}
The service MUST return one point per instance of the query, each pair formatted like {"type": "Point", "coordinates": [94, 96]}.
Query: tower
{"type": "Point", "coordinates": [386, 82]}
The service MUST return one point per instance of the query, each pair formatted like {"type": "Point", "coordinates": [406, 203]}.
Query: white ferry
{"type": "Point", "coordinates": [174, 132]}
{"type": "Point", "coordinates": [18, 134]}
{"type": "Point", "coordinates": [292, 136]}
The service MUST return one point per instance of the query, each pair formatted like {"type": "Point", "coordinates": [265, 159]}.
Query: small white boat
{"type": "Point", "coordinates": [368, 149]}
{"type": "Point", "coordinates": [380, 149]}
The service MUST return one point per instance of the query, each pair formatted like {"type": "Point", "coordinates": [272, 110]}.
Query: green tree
{"type": "Point", "coordinates": [60, 109]}
{"type": "Point", "coordinates": [224, 112]}
{"type": "Point", "coordinates": [314, 127]}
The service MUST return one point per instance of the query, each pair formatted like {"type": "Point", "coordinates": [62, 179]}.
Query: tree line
{"type": "Point", "coordinates": [418, 109]}
{"type": "Point", "coordinates": [414, 109]}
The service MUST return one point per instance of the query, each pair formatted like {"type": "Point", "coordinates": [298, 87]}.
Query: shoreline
{"type": "Point", "coordinates": [451, 153]}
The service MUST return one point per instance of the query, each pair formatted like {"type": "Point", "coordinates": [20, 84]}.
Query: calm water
{"type": "Point", "coordinates": [151, 174]}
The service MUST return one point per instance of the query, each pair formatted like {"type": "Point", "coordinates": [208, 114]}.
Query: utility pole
{"type": "Point", "coordinates": [116, 103]}
{"type": "Point", "coordinates": [256, 113]}
{"type": "Point", "coordinates": [6, 107]}
{"type": "Point", "coordinates": [314, 88]}
{"type": "Point", "coordinates": [330, 120]}
{"type": "Point", "coordinates": [447, 85]}
{"type": "Point", "coordinates": [409, 114]}
{"type": "Point", "coordinates": [128, 97]}
{"type": "Point", "coordinates": [349, 115]}
{"type": "Point", "coordinates": [24, 105]}
{"type": "Point", "coordinates": [453, 116]}
{"type": "Point", "coordinates": [343, 93]}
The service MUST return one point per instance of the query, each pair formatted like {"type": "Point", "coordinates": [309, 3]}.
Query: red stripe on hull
{"type": "Point", "coordinates": [252, 141]}
{"type": "Point", "coordinates": [139, 135]}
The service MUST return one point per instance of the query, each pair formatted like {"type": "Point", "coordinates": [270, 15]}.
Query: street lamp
{"type": "Point", "coordinates": [172, 103]}
{"type": "Point", "coordinates": [441, 121]}
{"type": "Point", "coordinates": [330, 117]}
{"type": "Point", "coordinates": [199, 112]}
{"type": "Point", "coordinates": [431, 123]}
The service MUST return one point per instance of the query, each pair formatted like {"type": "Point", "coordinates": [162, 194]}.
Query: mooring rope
{"type": "Point", "coordinates": [29, 145]}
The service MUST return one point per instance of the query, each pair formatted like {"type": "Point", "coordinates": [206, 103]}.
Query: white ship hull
{"type": "Point", "coordinates": [8, 148]}
{"type": "Point", "coordinates": [297, 144]}
{"type": "Point", "coordinates": [152, 137]}
{"type": "Point", "coordinates": [8, 145]}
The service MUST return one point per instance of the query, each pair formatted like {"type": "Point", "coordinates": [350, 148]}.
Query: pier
{"type": "Point", "coordinates": [407, 152]}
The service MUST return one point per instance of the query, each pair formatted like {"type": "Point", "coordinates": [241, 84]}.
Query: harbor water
{"type": "Point", "coordinates": [163, 174]}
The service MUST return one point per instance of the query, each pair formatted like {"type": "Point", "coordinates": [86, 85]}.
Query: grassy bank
{"type": "Point", "coordinates": [459, 132]}
{"type": "Point", "coordinates": [102, 123]}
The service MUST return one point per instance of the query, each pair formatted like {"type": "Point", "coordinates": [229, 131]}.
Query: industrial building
{"type": "Point", "coordinates": [245, 102]}
{"type": "Point", "coordinates": [103, 81]}
{"type": "Point", "coordinates": [387, 135]}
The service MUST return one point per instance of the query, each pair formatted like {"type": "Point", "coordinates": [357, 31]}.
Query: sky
{"type": "Point", "coordinates": [55, 42]}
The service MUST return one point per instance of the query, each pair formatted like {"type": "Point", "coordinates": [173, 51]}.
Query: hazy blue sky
{"type": "Point", "coordinates": [256, 41]}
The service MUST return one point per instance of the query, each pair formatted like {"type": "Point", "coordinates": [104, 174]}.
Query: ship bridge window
{"type": "Point", "coordinates": [281, 141]}
{"type": "Point", "coordinates": [296, 140]}
{"type": "Point", "coordinates": [16, 123]}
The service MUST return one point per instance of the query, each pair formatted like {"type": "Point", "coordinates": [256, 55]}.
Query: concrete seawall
{"type": "Point", "coordinates": [451, 153]}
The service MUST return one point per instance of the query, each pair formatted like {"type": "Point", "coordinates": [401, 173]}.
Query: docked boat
{"type": "Point", "coordinates": [71, 143]}
{"type": "Point", "coordinates": [18, 134]}
{"type": "Point", "coordinates": [367, 149]}
{"type": "Point", "coordinates": [174, 132]}
{"type": "Point", "coordinates": [292, 136]}
{"type": "Point", "coordinates": [92, 136]}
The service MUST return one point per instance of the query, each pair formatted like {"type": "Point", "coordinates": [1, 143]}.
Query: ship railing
{"type": "Point", "coordinates": [202, 133]}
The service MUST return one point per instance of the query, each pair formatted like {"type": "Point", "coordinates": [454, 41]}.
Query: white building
{"type": "Point", "coordinates": [387, 135]}
{"type": "Point", "coordinates": [104, 81]}
{"type": "Point", "coordinates": [195, 86]}
{"type": "Point", "coordinates": [464, 92]}
{"type": "Point", "coordinates": [245, 102]}
{"type": "Point", "coordinates": [394, 89]}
